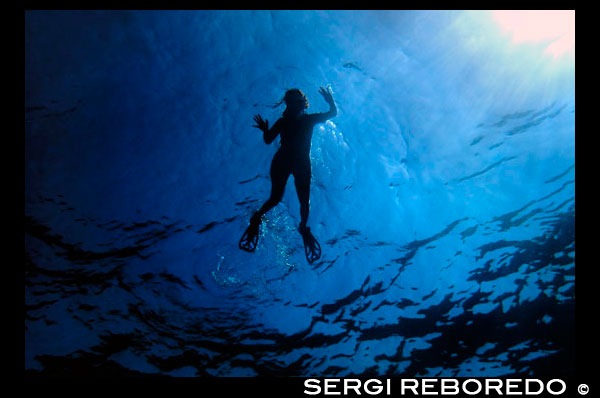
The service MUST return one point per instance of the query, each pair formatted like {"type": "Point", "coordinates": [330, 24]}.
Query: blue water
{"type": "Point", "coordinates": [443, 195]}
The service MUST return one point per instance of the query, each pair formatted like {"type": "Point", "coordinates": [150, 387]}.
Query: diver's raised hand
{"type": "Point", "coordinates": [261, 124]}
{"type": "Point", "coordinates": [327, 94]}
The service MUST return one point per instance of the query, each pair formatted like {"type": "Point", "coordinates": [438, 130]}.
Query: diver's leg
{"type": "Point", "coordinates": [302, 181]}
{"type": "Point", "coordinates": [312, 249]}
{"type": "Point", "coordinates": [279, 176]}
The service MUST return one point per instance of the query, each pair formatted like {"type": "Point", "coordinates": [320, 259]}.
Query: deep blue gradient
{"type": "Point", "coordinates": [443, 195]}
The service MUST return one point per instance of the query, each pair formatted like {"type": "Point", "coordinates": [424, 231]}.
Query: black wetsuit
{"type": "Point", "coordinates": [293, 157]}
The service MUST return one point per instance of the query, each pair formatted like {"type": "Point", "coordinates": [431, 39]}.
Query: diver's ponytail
{"type": "Point", "coordinates": [279, 103]}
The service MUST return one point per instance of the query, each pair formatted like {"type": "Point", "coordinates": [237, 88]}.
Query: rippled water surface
{"type": "Point", "coordinates": [443, 195]}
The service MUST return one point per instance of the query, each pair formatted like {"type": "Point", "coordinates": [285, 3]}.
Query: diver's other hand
{"type": "Point", "coordinates": [261, 124]}
{"type": "Point", "coordinates": [327, 94]}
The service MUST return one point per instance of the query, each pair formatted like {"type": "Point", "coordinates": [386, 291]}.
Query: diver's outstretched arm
{"type": "Point", "coordinates": [268, 134]}
{"type": "Point", "coordinates": [328, 97]}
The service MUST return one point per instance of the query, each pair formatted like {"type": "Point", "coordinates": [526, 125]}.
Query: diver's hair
{"type": "Point", "coordinates": [288, 94]}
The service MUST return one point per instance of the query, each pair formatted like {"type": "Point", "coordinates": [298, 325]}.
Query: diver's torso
{"type": "Point", "coordinates": [296, 135]}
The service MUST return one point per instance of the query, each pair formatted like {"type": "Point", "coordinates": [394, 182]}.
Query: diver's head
{"type": "Point", "coordinates": [295, 100]}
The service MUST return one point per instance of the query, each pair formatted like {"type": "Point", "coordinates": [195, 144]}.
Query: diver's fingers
{"type": "Point", "coordinates": [325, 91]}
{"type": "Point", "coordinates": [260, 124]}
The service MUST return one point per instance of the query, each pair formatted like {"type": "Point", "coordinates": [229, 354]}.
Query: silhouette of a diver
{"type": "Point", "coordinates": [295, 128]}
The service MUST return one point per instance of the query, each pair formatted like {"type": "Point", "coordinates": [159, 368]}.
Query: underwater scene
{"type": "Point", "coordinates": [442, 194]}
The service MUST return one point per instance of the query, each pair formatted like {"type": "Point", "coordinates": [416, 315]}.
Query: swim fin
{"type": "Point", "coordinates": [249, 240]}
{"type": "Point", "coordinates": [312, 249]}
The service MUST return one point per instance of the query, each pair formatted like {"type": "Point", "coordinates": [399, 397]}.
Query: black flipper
{"type": "Point", "coordinates": [312, 249]}
{"type": "Point", "coordinates": [249, 240]}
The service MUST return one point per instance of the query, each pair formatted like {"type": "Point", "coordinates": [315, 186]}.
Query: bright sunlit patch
{"type": "Point", "coordinates": [557, 27]}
